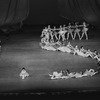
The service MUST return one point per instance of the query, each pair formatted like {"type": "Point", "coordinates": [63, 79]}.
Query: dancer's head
{"type": "Point", "coordinates": [81, 47]}
{"type": "Point", "coordinates": [23, 68]}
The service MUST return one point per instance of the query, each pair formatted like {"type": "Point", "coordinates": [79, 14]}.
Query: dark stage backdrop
{"type": "Point", "coordinates": [63, 11]}
{"type": "Point", "coordinates": [12, 14]}
{"type": "Point", "coordinates": [80, 10]}
{"type": "Point", "coordinates": [44, 12]}
{"type": "Point", "coordinates": [13, 11]}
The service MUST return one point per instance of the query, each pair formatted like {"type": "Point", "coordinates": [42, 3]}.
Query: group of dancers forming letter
{"type": "Point", "coordinates": [64, 32]}
{"type": "Point", "coordinates": [53, 39]}
{"type": "Point", "coordinates": [49, 43]}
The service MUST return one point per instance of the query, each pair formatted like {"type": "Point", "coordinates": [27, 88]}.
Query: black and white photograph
{"type": "Point", "coordinates": [50, 48]}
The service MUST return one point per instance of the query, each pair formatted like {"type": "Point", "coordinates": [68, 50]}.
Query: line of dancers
{"type": "Point", "coordinates": [66, 74]}
{"type": "Point", "coordinates": [62, 74]}
{"type": "Point", "coordinates": [64, 32]}
{"type": "Point", "coordinates": [81, 52]}
{"type": "Point", "coordinates": [68, 48]}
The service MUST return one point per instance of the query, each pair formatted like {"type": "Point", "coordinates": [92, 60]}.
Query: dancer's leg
{"type": "Point", "coordinates": [82, 36]}
{"type": "Point", "coordinates": [86, 35]}
{"type": "Point", "coordinates": [59, 37]}
{"type": "Point", "coordinates": [56, 37]}
{"type": "Point", "coordinates": [63, 37]}
{"type": "Point", "coordinates": [79, 36]}
{"type": "Point", "coordinates": [67, 36]}
{"type": "Point", "coordinates": [74, 36]}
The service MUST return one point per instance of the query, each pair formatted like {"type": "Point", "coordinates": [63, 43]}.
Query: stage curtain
{"type": "Point", "coordinates": [13, 12]}
{"type": "Point", "coordinates": [96, 10]}
{"type": "Point", "coordinates": [64, 10]}
{"type": "Point", "coordinates": [76, 14]}
{"type": "Point", "coordinates": [80, 10]}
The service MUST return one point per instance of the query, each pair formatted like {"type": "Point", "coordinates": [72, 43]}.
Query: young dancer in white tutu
{"type": "Point", "coordinates": [23, 74]}
{"type": "Point", "coordinates": [84, 31]}
{"type": "Point", "coordinates": [77, 32]}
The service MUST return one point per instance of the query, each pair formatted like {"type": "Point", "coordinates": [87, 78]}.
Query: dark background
{"type": "Point", "coordinates": [43, 12]}
{"type": "Point", "coordinates": [22, 48]}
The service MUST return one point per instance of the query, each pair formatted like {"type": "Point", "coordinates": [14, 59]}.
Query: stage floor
{"type": "Point", "coordinates": [24, 51]}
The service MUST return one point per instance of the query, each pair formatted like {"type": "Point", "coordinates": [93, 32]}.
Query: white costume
{"type": "Point", "coordinates": [77, 30]}
{"type": "Point", "coordinates": [44, 32]}
{"type": "Point", "coordinates": [95, 54]}
{"type": "Point", "coordinates": [76, 50]}
{"type": "Point", "coordinates": [51, 33]}
{"type": "Point", "coordinates": [64, 49]}
{"type": "Point", "coordinates": [89, 53]}
{"type": "Point", "coordinates": [54, 29]}
{"type": "Point", "coordinates": [48, 48]}
{"type": "Point", "coordinates": [43, 40]}
{"type": "Point", "coordinates": [62, 34]}
{"type": "Point", "coordinates": [45, 35]}
{"type": "Point", "coordinates": [97, 57]}
{"type": "Point", "coordinates": [84, 31]}
{"type": "Point", "coordinates": [78, 75]}
{"type": "Point", "coordinates": [72, 74]}
{"type": "Point", "coordinates": [70, 46]}
{"type": "Point", "coordinates": [83, 50]}
{"type": "Point", "coordinates": [69, 32]}
{"type": "Point", "coordinates": [23, 74]}
{"type": "Point", "coordinates": [56, 75]}
{"type": "Point", "coordinates": [90, 72]}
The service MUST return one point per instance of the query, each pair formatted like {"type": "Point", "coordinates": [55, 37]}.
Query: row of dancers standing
{"type": "Point", "coordinates": [59, 34]}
